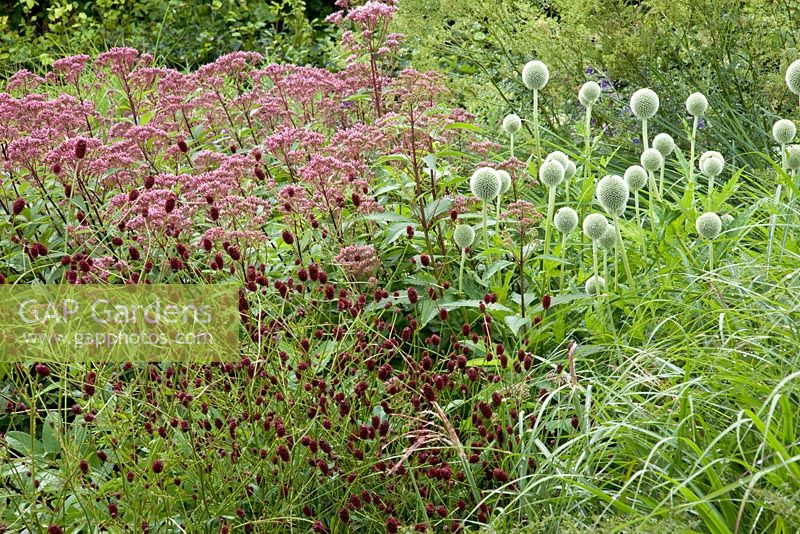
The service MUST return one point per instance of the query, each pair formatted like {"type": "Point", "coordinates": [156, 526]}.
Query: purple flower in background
{"type": "Point", "coordinates": [636, 141]}
{"type": "Point", "coordinates": [605, 84]}
{"type": "Point", "coordinates": [700, 123]}
{"type": "Point", "coordinates": [626, 110]}
{"type": "Point", "coordinates": [590, 70]}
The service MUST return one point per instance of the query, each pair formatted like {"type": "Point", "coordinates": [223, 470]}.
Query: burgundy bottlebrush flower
{"type": "Point", "coordinates": [392, 525]}
{"type": "Point", "coordinates": [157, 466]}
{"type": "Point", "coordinates": [18, 206]}
{"type": "Point", "coordinates": [80, 149]}
{"type": "Point", "coordinates": [149, 181]}
{"type": "Point", "coordinates": [182, 146]}
{"type": "Point", "coordinates": [54, 529]}
{"type": "Point", "coordinates": [546, 301]}
{"type": "Point", "coordinates": [287, 237]}
{"type": "Point", "coordinates": [413, 296]}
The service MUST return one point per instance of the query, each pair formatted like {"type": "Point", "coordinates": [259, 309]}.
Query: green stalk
{"type": "Point", "coordinates": [563, 255]}
{"type": "Point", "coordinates": [636, 206]}
{"type": "Point", "coordinates": [711, 256]}
{"type": "Point", "coordinates": [661, 181]}
{"type": "Point", "coordinates": [691, 162]}
{"type": "Point", "coordinates": [461, 268]}
{"type": "Point", "coordinates": [548, 223]}
{"type": "Point", "coordinates": [624, 253]}
{"type": "Point", "coordinates": [485, 231]}
{"type": "Point", "coordinates": [536, 127]}
{"type": "Point", "coordinates": [710, 190]}
{"type": "Point", "coordinates": [645, 141]}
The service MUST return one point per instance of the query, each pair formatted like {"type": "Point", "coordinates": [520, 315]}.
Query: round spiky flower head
{"type": "Point", "coordinates": [589, 93]}
{"type": "Point", "coordinates": [635, 177]}
{"type": "Point", "coordinates": [664, 144]}
{"type": "Point", "coordinates": [651, 159]}
{"type": "Point", "coordinates": [726, 219]}
{"type": "Point", "coordinates": [570, 170]}
{"type": "Point", "coordinates": [793, 157]}
{"type": "Point", "coordinates": [784, 131]}
{"type": "Point", "coordinates": [512, 124]}
{"type": "Point", "coordinates": [609, 238]}
{"type": "Point", "coordinates": [485, 183]}
{"type": "Point", "coordinates": [464, 236]}
{"type": "Point", "coordinates": [709, 225]}
{"type": "Point", "coordinates": [612, 193]}
{"type": "Point", "coordinates": [595, 225]}
{"type": "Point", "coordinates": [710, 154]}
{"type": "Point", "coordinates": [595, 284]}
{"type": "Point", "coordinates": [793, 77]}
{"type": "Point", "coordinates": [712, 166]}
{"type": "Point", "coordinates": [696, 104]}
{"type": "Point", "coordinates": [565, 220]}
{"type": "Point", "coordinates": [559, 156]}
{"type": "Point", "coordinates": [551, 173]}
{"type": "Point", "coordinates": [505, 181]}
{"type": "Point", "coordinates": [644, 103]}
{"type": "Point", "coordinates": [535, 75]}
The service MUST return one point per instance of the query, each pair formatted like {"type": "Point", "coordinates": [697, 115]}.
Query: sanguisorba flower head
{"type": "Point", "coordinates": [485, 184]}
{"type": "Point", "coordinates": [664, 144]}
{"type": "Point", "coordinates": [793, 77]}
{"type": "Point", "coordinates": [709, 225]}
{"type": "Point", "coordinates": [512, 124]}
{"type": "Point", "coordinates": [612, 193]}
{"type": "Point", "coordinates": [784, 131]}
{"type": "Point", "coordinates": [589, 93]}
{"type": "Point", "coordinates": [696, 104]}
{"type": "Point", "coordinates": [566, 220]}
{"type": "Point", "coordinates": [644, 103]}
{"type": "Point", "coordinates": [535, 75]}
{"type": "Point", "coordinates": [635, 177]}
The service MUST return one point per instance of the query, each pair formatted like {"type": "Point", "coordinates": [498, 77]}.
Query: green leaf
{"type": "Point", "coordinates": [516, 322]}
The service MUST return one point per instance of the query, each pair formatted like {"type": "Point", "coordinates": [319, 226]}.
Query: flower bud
{"type": "Point", "coordinates": [565, 220]}
{"type": "Point", "coordinates": [595, 225]}
{"type": "Point", "coordinates": [485, 184]}
{"type": "Point", "coordinates": [635, 177]}
{"type": "Point", "coordinates": [651, 159]}
{"type": "Point", "coordinates": [612, 193]}
{"type": "Point", "coordinates": [696, 104]}
{"type": "Point", "coordinates": [644, 103]}
{"type": "Point", "coordinates": [709, 225]}
{"type": "Point", "coordinates": [595, 284]}
{"type": "Point", "coordinates": [463, 236]}
{"type": "Point", "coordinates": [784, 131]}
{"type": "Point", "coordinates": [512, 124]}
{"type": "Point", "coordinates": [535, 75]}
{"type": "Point", "coordinates": [551, 173]}
{"type": "Point", "coordinates": [589, 93]}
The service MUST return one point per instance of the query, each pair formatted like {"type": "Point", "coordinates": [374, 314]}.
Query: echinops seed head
{"type": "Point", "coordinates": [595, 225]}
{"type": "Point", "coordinates": [609, 238]}
{"type": "Point", "coordinates": [644, 103]}
{"type": "Point", "coordinates": [535, 75]}
{"type": "Point", "coordinates": [726, 219]}
{"type": "Point", "coordinates": [505, 181]}
{"type": "Point", "coordinates": [709, 154]}
{"type": "Point", "coordinates": [664, 144]}
{"type": "Point", "coordinates": [793, 77]}
{"type": "Point", "coordinates": [464, 236]}
{"type": "Point", "coordinates": [570, 170]}
{"type": "Point", "coordinates": [589, 93]}
{"type": "Point", "coordinates": [651, 159]}
{"type": "Point", "coordinates": [784, 131]}
{"type": "Point", "coordinates": [551, 173]}
{"type": "Point", "coordinates": [485, 183]}
{"type": "Point", "coordinates": [709, 225]}
{"type": "Point", "coordinates": [635, 177]}
{"type": "Point", "coordinates": [565, 220]}
{"type": "Point", "coordinates": [793, 157]}
{"type": "Point", "coordinates": [512, 124]}
{"type": "Point", "coordinates": [559, 156]}
{"type": "Point", "coordinates": [712, 167]}
{"type": "Point", "coordinates": [612, 193]}
{"type": "Point", "coordinates": [696, 104]}
{"type": "Point", "coordinates": [595, 284]}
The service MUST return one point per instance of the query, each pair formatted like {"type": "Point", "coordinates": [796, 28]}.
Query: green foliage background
{"type": "Point", "coordinates": [734, 51]}
{"type": "Point", "coordinates": [182, 33]}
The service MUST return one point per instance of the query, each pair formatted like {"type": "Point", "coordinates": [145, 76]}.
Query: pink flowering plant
{"type": "Point", "coordinates": [372, 390]}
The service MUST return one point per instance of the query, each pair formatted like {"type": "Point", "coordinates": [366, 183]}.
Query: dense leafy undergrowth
{"type": "Point", "coordinates": [389, 380]}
